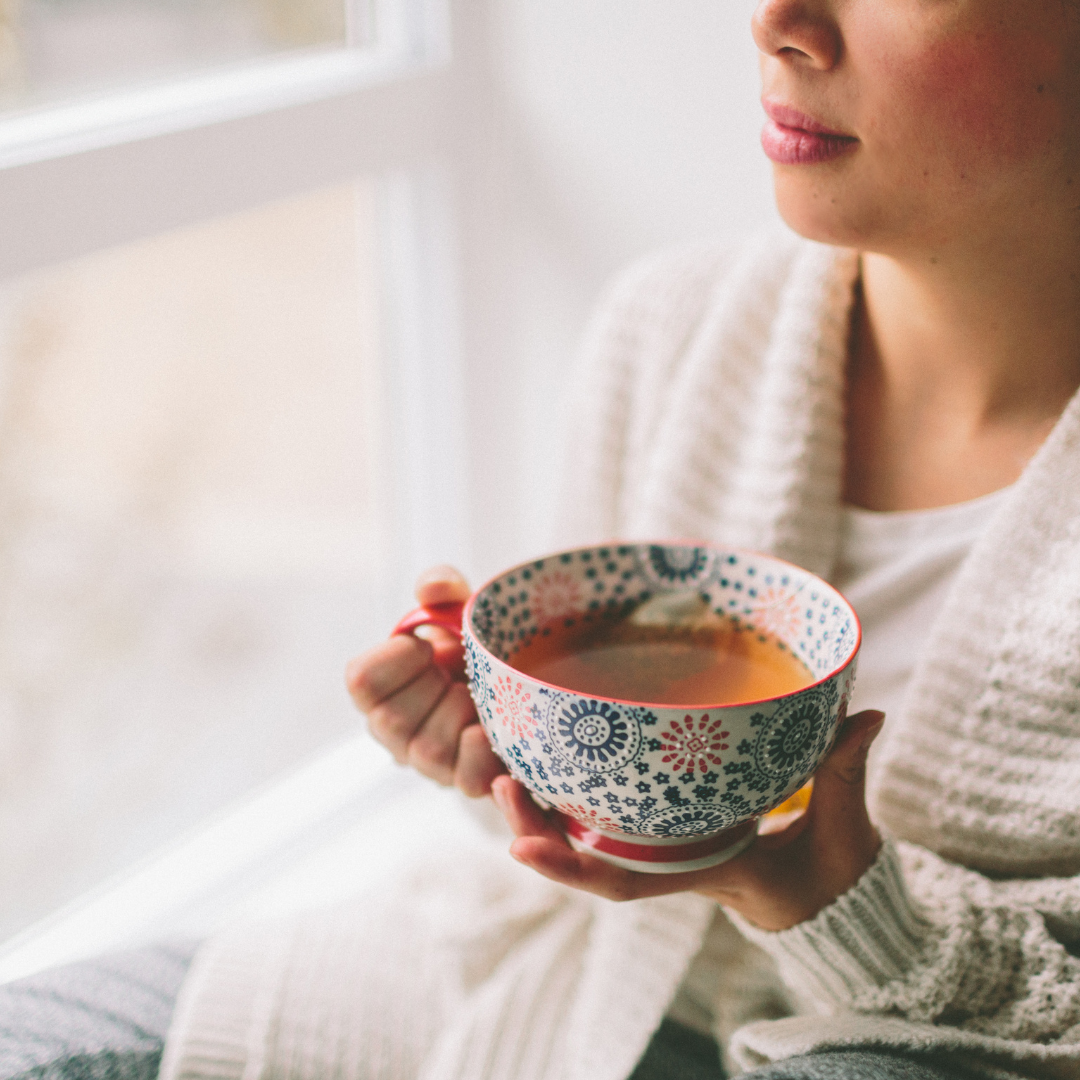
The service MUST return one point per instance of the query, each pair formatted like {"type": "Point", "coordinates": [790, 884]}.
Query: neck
{"type": "Point", "coordinates": [957, 374]}
{"type": "Point", "coordinates": [991, 345]}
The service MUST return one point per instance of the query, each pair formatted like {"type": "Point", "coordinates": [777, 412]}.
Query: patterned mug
{"type": "Point", "coordinates": [656, 788]}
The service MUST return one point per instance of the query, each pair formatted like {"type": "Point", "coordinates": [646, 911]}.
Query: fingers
{"type": "Point", "coordinates": [430, 724]}
{"type": "Point", "coordinates": [476, 766]}
{"type": "Point", "coordinates": [417, 706]}
{"type": "Point", "coordinates": [398, 718]}
{"type": "Point", "coordinates": [441, 585]}
{"type": "Point", "coordinates": [433, 749]}
{"type": "Point", "coordinates": [522, 813]}
{"type": "Point", "coordinates": [847, 759]}
{"type": "Point", "coordinates": [541, 846]}
{"type": "Point", "coordinates": [845, 838]}
{"type": "Point", "coordinates": [448, 651]}
{"type": "Point", "coordinates": [386, 669]}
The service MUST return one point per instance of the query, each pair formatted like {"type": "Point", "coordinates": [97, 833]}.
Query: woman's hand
{"type": "Point", "coordinates": [782, 879]}
{"type": "Point", "coordinates": [417, 704]}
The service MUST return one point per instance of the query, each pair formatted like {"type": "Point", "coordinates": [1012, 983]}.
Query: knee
{"type": "Point", "coordinates": [857, 1065]}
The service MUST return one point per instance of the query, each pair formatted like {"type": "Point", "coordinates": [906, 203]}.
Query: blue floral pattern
{"type": "Point", "coordinates": [596, 736]}
{"type": "Point", "coordinates": [679, 565]}
{"type": "Point", "coordinates": [792, 738]}
{"type": "Point", "coordinates": [603, 759]}
{"type": "Point", "coordinates": [692, 819]}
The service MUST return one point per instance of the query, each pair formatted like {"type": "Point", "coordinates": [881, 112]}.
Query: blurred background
{"type": "Point", "coordinates": [290, 293]}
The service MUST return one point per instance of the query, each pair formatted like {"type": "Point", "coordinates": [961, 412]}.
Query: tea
{"type": "Point", "coordinates": [705, 662]}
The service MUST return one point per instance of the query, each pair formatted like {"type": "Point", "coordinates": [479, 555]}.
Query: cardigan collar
{"type": "Point", "coordinates": [749, 450]}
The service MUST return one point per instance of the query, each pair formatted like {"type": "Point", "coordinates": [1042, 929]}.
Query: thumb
{"type": "Point", "coordinates": [847, 759]}
{"type": "Point", "coordinates": [838, 803]}
{"type": "Point", "coordinates": [441, 585]}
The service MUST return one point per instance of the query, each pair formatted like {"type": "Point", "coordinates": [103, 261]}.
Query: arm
{"type": "Point", "coordinates": [932, 942]}
{"type": "Point", "coordinates": [860, 926]}
{"type": "Point", "coordinates": [412, 690]}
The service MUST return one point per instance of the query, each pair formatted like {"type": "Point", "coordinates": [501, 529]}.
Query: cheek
{"type": "Point", "coordinates": [969, 106]}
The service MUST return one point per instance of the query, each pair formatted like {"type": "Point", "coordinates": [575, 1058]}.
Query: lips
{"type": "Point", "coordinates": [791, 137]}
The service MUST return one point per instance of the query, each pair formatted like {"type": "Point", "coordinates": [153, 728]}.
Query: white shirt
{"type": "Point", "coordinates": [895, 568]}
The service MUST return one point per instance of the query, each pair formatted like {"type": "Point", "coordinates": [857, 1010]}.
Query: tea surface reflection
{"type": "Point", "coordinates": [721, 663]}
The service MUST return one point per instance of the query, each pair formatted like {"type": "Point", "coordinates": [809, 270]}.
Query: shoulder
{"type": "Point", "coordinates": [658, 301]}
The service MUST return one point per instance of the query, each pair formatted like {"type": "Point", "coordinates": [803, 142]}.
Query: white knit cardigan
{"type": "Point", "coordinates": [711, 406]}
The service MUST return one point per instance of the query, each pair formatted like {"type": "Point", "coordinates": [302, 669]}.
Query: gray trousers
{"type": "Point", "coordinates": [106, 1019]}
{"type": "Point", "coordinates": [677, 1053]}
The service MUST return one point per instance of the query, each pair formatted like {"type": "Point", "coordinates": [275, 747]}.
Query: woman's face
{"type": "Point", "coordinates": [914, 126]}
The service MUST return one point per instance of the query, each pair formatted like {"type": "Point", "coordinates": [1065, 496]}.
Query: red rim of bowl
{"type": "Point", "coordinates": [624, 847]}
{"type": "Point", "coordinates": [466, 622]}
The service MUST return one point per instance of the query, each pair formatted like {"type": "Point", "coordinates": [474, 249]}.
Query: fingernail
{"type": "Point", "coordinates": [872, 734]}
{"type": "Point", "coordinates": [499, 796]}
{"type": "Point", "coordinates": [440, 573]}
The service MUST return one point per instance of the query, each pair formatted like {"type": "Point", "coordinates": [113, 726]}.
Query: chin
{"type": "Point", "coordinates": [825, 212]}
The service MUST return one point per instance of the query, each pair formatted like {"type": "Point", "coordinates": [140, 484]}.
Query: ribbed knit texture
{"type": "Point", "coordinates": [711, 406]}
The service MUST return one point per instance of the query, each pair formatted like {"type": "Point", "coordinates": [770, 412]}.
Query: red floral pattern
{"type": "Point", "coordinates": [593, 818]}
{"type": "Point", "coordinates": [778, 612]}
{"type": "Point", "coordinates": [693, 744]}
{"type": "Point", "coordinates": [512, 707]}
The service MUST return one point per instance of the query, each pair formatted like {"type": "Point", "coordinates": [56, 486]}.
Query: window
{"type": "Point", "coordinates": [227, 328]}
{"type": "Point", "coordinates": [470, 174]}
{"type": "Point", "coordinates": [55, 48]}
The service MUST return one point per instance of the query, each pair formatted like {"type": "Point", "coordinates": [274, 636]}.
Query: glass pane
{"type": "Point", "coordinates": [56, 48]}
{"type": "Point", "coordinates": [192, 530]}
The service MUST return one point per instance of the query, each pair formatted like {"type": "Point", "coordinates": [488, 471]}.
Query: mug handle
{"type": "Point", "coordinates": [447, 616]}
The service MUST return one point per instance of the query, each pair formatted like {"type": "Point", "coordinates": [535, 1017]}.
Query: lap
{"type": "Point", "coordinates": [106, 1019]}
{"type": "Point", "coordinates": [102, 1019]}
{"type": "Point", "coordinates": [856, 1065]}
{"type": "Point", "coordinates": [678, 1053]}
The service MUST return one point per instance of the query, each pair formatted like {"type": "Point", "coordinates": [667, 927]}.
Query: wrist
{"type": "Point", "coordinates": [780, 889]}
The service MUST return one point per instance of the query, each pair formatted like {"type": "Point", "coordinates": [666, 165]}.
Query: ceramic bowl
{"type": "Point", "coordinates": [659, 788]}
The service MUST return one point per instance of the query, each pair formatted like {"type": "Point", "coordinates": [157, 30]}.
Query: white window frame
{"type": "Point", "coordinates": [91, 174]}
{"type": "Point", "coordinates": [100, 171]}
{"type": "Point", "coordinates": [88, 174]}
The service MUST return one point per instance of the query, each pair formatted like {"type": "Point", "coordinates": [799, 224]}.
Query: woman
{"type": "Point", "coordinates": [939, 139]}
{"type": "Point", "coordinates": [885, 399]}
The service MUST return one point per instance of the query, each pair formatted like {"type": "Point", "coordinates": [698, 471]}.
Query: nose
{"type": "Point", "coordinates": [800, 31]}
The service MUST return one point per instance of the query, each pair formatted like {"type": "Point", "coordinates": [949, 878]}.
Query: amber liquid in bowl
{"type": "Point", "coordinates": [720, 663]}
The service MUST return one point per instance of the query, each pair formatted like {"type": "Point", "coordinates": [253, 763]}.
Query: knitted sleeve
{"type": "Point", "coordinates": [991, 959]}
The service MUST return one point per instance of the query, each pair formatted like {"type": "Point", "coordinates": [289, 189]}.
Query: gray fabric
{"type": "Point", "coordinates": [855, 1065]}
{"type": "Point", "coordinates": [107, 1018]}
{"type": "Point", "coordinates": [102, 1019]}
{"type": "Point", "coordinates": [678, 1053]}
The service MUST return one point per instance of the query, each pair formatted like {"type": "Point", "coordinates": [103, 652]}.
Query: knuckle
{"type": "Point", "coordinates": [621, 890]}
{"type": "Point", "coordinates": [473, 775]}
{"type": "Point", "coordinates": [460, 700]}
{"type": "Point", "coordinates": [471, 786]}
{"type": "Point", "coordinates": [366, 691]}
{"type": "Point", "coordinates": [474, 750]}
{"type": "Point", "coordinates": [378, 674]}
{"type": "Point", "coordinates": [433, 757]}
{"type": "Point", "coordinates": [854, 775]}
{"type": "Point", "coordinates": [392, 727]}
